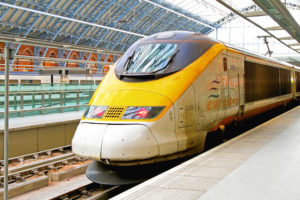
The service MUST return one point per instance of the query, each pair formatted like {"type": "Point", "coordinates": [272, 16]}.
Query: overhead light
{"type": "Point", "coordinates": [263, 36]}
{"type": "Point", "coordinates": [295, 44]}
{"type": "Point", "coordinates": [20, 39]}
{"type": "Point", "coordinates": [120, 21]}
{"type": "Point", "coordinates": [67, 46]}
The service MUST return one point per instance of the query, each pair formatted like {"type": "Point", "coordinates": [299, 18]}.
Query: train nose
{"type": "Point", "coordinates": [87, 140]}
{"type": "Point", "coordinates": [114, 142]}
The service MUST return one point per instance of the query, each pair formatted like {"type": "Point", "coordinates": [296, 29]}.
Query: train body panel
{"type": "Point", "coordinates": [172, 86]}
{"type": "Point", "coordinates": [164, 133]}
{"type": "Point", "coordinates": [165, 113]}
{"type": "Point", "coordinates": [119, 144]}
{"type": "Point", "coordinates": [91, 134]}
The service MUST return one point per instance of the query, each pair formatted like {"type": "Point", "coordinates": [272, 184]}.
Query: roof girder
{"type": "Point", "coordinates": [279, 13]}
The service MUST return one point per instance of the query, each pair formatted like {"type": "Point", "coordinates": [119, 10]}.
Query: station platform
{"type": "Point", "coordinates": [39, 133]}
{"type": "Point", "coordinates": [41, 120]}
{"type": "Point", "coordinates": [262, 163]}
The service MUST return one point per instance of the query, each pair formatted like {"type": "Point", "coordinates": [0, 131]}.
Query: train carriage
{"type": "Point", "coordinates": [169, 90]}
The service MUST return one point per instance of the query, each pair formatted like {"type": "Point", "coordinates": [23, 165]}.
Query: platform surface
{"type": "Point", "coordinates": [41, 120]}
{"type": "Point", "coordinates": [263, 163]}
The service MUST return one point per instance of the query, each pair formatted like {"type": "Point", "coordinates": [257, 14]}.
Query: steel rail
{"type": "Point", "coordinates": [40, 170]}
{"type": "Point", "coordinates": [86, 192]}
{"type": "Point", "coordinates": [36, 155]}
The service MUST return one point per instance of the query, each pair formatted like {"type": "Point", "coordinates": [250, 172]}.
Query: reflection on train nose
{"type": "Point", "coordinates": [87, 140]}
{"type": "Point", "coordinates": [114, 142]}
{"type": "Point", "coordinates": [128, 142]}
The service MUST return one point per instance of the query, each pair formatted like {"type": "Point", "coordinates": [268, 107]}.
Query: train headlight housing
{"type": "Point", "coordinates": [145, 112]}
{"type": "Point", "coordinates": [95, 112]}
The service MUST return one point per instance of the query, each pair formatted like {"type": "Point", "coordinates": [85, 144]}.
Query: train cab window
{"type": "Point", "coordinates": [151, 58]}
{"type": "Point", "coordinates": [161, 55]}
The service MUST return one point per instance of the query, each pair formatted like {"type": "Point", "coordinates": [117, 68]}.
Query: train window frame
{"type": "Point", "coordinates": [153, 57]}
{"type": "Point", "coordinates": [191, 47]}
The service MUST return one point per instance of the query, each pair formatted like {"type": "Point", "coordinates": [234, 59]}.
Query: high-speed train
{"type": "Point", "coordinates": [168, 90]}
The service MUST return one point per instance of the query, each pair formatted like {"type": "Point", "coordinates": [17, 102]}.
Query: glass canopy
{"type": "Point", "coordinates": [238, 31]}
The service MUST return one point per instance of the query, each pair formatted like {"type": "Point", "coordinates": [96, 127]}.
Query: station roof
{"type": "Point", "coordinates": [278, 19]}
{"type": "Point", "coordinates": [112, 24]}
{"type": "Point", "coordinates": [115, 24]}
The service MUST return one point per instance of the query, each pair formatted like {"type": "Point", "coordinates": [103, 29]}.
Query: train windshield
{"type": "Point", "coordinates": [151, 58]}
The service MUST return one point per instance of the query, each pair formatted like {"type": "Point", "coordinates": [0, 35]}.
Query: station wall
{"type": "Point", "coordinates": [28, 65]}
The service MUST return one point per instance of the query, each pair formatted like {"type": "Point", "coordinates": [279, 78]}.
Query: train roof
{"type": "Point", "coordinates": [182, 36]}
{"type": "Point", "coordinates": [250, 53]}
{"type": "Point", "coordinates": [179, 36]}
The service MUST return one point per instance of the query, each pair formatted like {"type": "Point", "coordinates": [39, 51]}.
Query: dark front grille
{"type": "Point", "coordinates": [114, 112]}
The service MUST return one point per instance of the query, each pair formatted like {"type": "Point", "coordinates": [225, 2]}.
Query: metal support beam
{"type": "Point", "coordinates": [58, 45]}
{"type": "Point", "coordinates": [60, 59]}
{"type": "Point", "coordinates": [3, 13]}
{"type": "Point", "coordinates": [8, 57]}
{"type": "Point", "coordinates": [257, 25]}
{"type": "Point", "coordinates": [70, 19]}
{"type": "Point", "coordinates": [274, 28]}
{"type": "Point", "coordinates": [32, 25]}
{"type": "Point", "coordinates": [255, 13]}
{"type": "Point", "coordinates": [180, 14]}
{"type": "Point", "coordinates": [296, 44]}
{"type": "Point", "coordinates": [61, 27]}
{"type": "Point", "coordinates": [286, 38]}
{"type": "Point", "coordinates": [280, 14]}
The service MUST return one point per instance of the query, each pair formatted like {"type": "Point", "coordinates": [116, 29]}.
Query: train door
{"type": "Point", "coordinates": [185, 131]}
{"type": "Point", "coordinates": [208, 96]}
{"type": "Point", "coordinates": [235, 98]}
{"type": "Point", "coordinates": [223, 74]}
{"type": "Point", "coordinates": [241, 86]}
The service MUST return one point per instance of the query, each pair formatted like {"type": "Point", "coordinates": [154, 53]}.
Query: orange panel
{"type": "Point", "coordinates": [51, 53]}
{"type": "Point", "coordinates": [75, 56]}
{"type": "Point", "coordinates": [93, 66]}
{"type": "Point", "coordinates": [24, 65]}
{"type": "Point", "coordinates": [105, 69]}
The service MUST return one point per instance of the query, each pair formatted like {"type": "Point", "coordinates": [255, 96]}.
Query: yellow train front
{"type": "Point", "coordinates": [168, 91]}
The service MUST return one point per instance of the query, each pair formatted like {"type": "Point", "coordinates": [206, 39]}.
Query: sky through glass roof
{"type": "Point", "coordinates": [240, 32]}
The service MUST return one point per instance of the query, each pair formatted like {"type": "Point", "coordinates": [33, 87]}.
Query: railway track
{"type": "Point", "coordinates": [90, 191]}
{"type": "Point", "coordinates": [41, 170]}
{"type": "Point", "coordinates": [36, 170]}
{"type": "Point", "coordinates": [35, 159]}
{"type": "Point", "coordinates": [47, 168]}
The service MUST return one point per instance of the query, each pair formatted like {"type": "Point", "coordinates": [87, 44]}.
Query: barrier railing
{"type": "Point", "coordinates": [32, 87]}
{"type": "Point", "coordinates": [29, 103]}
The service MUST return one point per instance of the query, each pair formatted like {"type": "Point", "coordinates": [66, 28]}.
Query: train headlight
{"type": "Point", "coordinates": [145, 112]}
{"type": "Point", "coordinates": [95, 112]}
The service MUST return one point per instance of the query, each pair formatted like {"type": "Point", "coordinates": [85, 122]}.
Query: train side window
{"type": "Point", "coordinates": [298, 81]}
{"type": "Point", "coordinates": [263, 81]}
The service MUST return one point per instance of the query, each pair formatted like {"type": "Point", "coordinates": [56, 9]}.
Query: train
{"type": "Point", "coordinates": [169, 90]}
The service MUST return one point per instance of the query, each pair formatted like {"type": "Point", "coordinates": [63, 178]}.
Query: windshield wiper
{"type": "Point", "coordinates": [170, 60]}
{"type": "Point", "coordinates": [128, 61]}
